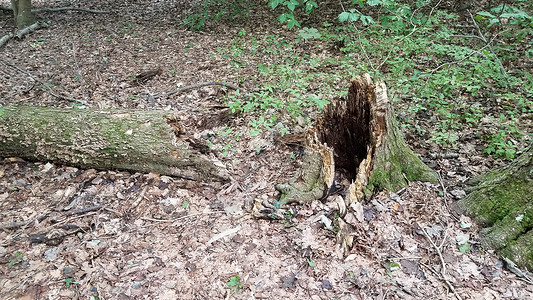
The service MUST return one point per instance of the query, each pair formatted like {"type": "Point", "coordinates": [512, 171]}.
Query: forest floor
{"type": "Point", "coordinates": [157, 237]}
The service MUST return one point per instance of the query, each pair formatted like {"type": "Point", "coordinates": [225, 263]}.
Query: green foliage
{"type": "Point", "coordinates": [464, 248]}
{"type": "Point", "coordinates": [69, 281]}
{"type": "Point", "coordinates": [290, 7]}
{"type": "Point", "coordinates": [450, 78]}
{"type": "Point", "coordinates": [308, 34]}
{"type": "Point", "coordinates": [16, 258]}
{"type": "Point", "coordinates": [311, 263]}
{"type": "Point", "coordinates": [234, 283]}
{"type": "Point", "coordinates": [500, 144]}
{"type": "Point", "coordinates": [507, 13]}
{"type": "Point", "coordinates": [215, 10]}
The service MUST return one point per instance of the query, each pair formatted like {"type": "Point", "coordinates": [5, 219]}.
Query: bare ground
{"type": "Point", "coordinates": [145, 236]}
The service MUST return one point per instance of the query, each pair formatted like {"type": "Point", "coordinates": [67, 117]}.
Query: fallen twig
{"type": "Point", "coordinates": [83, 210]}
{"type": "Point", "coordinates": [223, 234]}
{"type": "Point", "coordinates": [38, 10]}
{"type": "Point", "coordinates": [180, 218]}
{"type": "Point", "coordinates": [200, 85]}
{"type": "Point", "coordinates": [14, 225]}
{"type": "Point", "coordinates": [443, 264]}
{"type": "Point", "coordinates": [92, 11]}
{"type": "Point", "coordinates": [140, 198]}
{"type": "Point", "coordinates": [20, 33]}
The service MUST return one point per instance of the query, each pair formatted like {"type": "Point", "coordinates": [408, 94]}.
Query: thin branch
{"type": "Point", "coordinates": [359, 40]}
{"type": "Point", "coordinates": [92, 11]}
{"type": "Point", "coordinates": [14, 225]}
{"type": "Point", "coordinates": [139, 198]}
{"type": "Point", "coordinates": [462, 59]}
{"type": "Point", "coordinates": [443, 264]}
{"type": "Point", "coordinates": [181, 218]}
{"type": "Point", "coordinates": [411, 33]}
{"type": "Point", "coordinates": [38, 10]}
{"type": "Point", "coordinates": [490, 46]}
{"type": "Point", "coordinates": [200, 85]}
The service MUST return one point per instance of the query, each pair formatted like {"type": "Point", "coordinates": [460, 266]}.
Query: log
{"type": "Point", "coordinates": [133, 140]}
{"type": "Point", "coordinates": [357, 139]}
{"type": "Point", "coordinates": [501, 202]}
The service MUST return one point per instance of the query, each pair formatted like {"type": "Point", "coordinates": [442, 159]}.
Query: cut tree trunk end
{"type": "Point", "coordinates": [501, 201]}
{"type": "Point", "coordinates": [141, 141]}
{"type": "Point", "coordinates": [356, 140]}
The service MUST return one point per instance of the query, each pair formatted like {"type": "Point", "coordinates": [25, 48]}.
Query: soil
{"type": "Point", "coordinates": [120, 235]}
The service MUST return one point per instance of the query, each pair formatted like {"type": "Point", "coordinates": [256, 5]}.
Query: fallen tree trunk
{"type": "Point", "coordinates": [356, 139]}
{"type": "Point", "coordinates": [143, 141]}
{"type": "Point", "coordinates": [501, 201]}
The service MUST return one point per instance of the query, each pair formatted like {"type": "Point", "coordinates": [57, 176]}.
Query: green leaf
{"type": "Point", "coordinates": [367, 20]}
{"type": "Point", "coordinates": [464, 248]}
{"type": "Point", "coordinates": [311, 263]}
{"type": "Point", "coordinates": [494, 21]}
{"type": "Point", "coordinates": [486, 14]}
{"type": "Point", "coordinates": [343, 17]}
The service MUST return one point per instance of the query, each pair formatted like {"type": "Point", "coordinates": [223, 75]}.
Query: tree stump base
{"type": "Point", "coordinates": [357, 139]}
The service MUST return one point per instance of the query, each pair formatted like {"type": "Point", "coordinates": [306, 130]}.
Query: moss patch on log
{"type": "Point", "coordinates": [502, 202]}
{"type": "Point", "coordinates": [132, 140]}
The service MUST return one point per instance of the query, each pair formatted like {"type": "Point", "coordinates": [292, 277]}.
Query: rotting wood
{"type": "Point", "coordinates": [142, 141]}
{"type": "Point", "coordinates": [356, 140]}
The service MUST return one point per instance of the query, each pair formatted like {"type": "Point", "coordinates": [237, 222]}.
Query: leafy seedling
{"type": "Point", "coordinates": [17, 258]}
{"type": "Point", "coordinates": [234, 283]}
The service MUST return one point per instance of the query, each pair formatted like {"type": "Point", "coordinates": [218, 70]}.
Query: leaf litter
{"type": "Point", "coordinates": [118, 235]}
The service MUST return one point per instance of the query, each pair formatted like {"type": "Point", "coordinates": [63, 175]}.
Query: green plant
{"type": "Point", "coordinates": [464, 248]}
{"type": "Point", "coordinates": [392, 266]}
{"type": "Point", "coordinates": [353, 15]}
{"type": "Point", "coordinates": [501, 143]}
{"type": "Point", "coordinates": [16, 258]}
{"type": "Point", "coordinates": [291, 6]}
{"type": "Point", "coordinates": [308, 34]}
{"type": "Point", "coordinates": [311, 263]}
{"type": "Point", "coordinates": [234, 283]}
{"type": "Point", "coordinates": [69, 281]}
{"type": "Point", "coordinates": [510, 14]}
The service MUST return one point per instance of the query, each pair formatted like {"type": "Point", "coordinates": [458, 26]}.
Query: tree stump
{"type": "Point", "coordinates": [357, 139]}
{"type": "Point", "coordinates": [501, 201]}
{"type": "Point", "coordinates": [134, 140]}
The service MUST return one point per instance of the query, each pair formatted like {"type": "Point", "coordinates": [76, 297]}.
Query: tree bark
{"type": "Point", "coordinates": [501, 201]}
{"type": "Point", "coordinates": [22, 13]}
{"type": "Point", "coordinates": [357, 139]}
{"type": "Point", "coordinates": [143, 141]}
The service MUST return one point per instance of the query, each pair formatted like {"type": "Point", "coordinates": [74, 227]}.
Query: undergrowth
{"type": "Point", "coordinates": [445, 80]}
